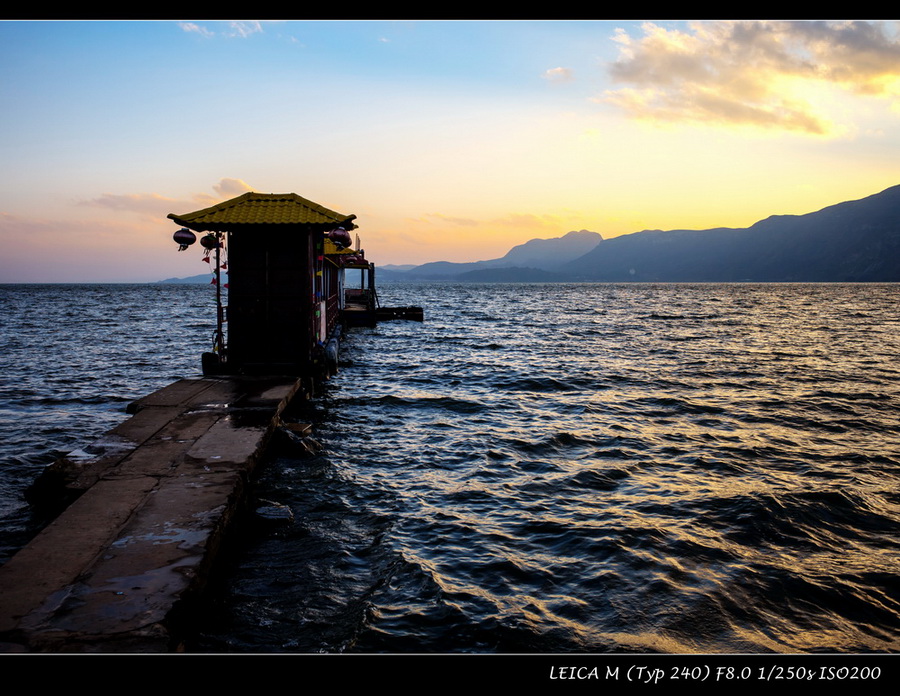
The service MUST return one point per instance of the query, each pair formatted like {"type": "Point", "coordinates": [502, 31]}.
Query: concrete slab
{"type": "Point", "coordinates": [127, 592]}
{"type": "Point", "coordinates": [159, 492]}
{"type": "Point", "coordinates": [176, 394]}
{"type": "Point", "coordinates": [66, 547]}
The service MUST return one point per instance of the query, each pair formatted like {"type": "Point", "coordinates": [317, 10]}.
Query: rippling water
{"type": "Point", "coordinates": [542, 468]}
{"type": "Point", "coordinates": [592, 468]}
{"type": "Point", "coordinates": [71, 358]}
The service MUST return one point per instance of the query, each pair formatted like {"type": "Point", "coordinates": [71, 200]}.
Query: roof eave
{"type": "Point", "coordinates": [228, 215]}
{"type": "Point", "coordinates": [226, 226]}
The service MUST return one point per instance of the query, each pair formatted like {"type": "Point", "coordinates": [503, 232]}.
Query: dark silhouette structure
{"type": "Point", "coordinates": [283, 301]}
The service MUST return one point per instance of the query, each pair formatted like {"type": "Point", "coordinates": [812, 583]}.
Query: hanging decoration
{"type": "Point", "coordinates": [340, 237]}
{"type": "Point", "coordinates": [184, 238]}
{"type": "Point", "coordinates": [211, 242]}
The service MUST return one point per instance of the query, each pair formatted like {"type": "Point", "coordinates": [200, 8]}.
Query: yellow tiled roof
{"type": "Point", "coordinates": [252, 209]}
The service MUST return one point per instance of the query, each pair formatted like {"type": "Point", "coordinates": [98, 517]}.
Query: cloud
{"type": "Point", "coordinates": [143, 203]}
{"type": "Point", "coordinates": [191, 27]}
{"type": "Point", "coordinates": [155, 205]}
{"type": "Point", "coordinates": [514, 220]}
{"type": "Point", "coordinates": [440, 217]}
{"type": "Point", "coordinates": [229, 188]}
{"type": "Point", "coordinates": [244, 28]}
{"type": "Point", "coordinates": [61, 251]}
{"type": "Point", "coordinates": [558, 75]}
{"type": "Point", "coordinates": [769, 74]}
{"type": "Point", "coordinates": [239, 29]}
{"type": "Point", "coordinates": [529, 221]}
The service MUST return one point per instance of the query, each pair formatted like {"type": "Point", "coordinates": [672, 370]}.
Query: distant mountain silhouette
{"type": "Point", "coordinates": [536, 254]}
{"type": "Point", "coordinates": [854, 241]}
{"type": "Point", "coordinates": [202, 278]}
{"type": "Point", "coordinates": [550, 254]}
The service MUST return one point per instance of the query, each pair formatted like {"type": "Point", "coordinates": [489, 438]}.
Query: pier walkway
{"type": "Point", "coordinates": [154, 496]}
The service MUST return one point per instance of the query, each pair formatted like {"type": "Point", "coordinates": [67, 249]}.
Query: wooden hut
{"type": "Point", "coordinates": [281, 308]}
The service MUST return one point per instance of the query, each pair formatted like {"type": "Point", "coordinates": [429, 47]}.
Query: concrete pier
{"type": "Point", "coordinates": [152, 499]}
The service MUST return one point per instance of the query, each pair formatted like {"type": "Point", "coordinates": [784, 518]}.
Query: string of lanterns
{"type": "Point", "coordinates": [210, 242]}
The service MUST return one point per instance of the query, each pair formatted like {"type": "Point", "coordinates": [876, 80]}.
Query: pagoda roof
{"type": "Point", "coordinates": [264, 209]}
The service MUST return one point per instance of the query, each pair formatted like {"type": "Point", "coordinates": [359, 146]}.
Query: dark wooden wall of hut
{"type": "Point", "coordinates": [270, 328]}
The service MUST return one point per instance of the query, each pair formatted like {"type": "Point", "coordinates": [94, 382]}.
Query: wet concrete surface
{"type": "Point", "coordinates": [148, 504]}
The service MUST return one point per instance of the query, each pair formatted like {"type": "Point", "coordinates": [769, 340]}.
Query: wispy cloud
{"type": "Point", "coordinates": [228, 188]}
{"type": "Point", "coordinates": [511, 220]}
{"type": "Point", "coordinates": [440, 217]}
{"type": "Point", "coordinates": [141, 203]}
{"type": "Point", "coordinates": [156, 205]}
{"type": "Point", "coordinates": [760, 73]}
{"type": "Point", "coordinates": [194, 28]}
{"type": "Point", "coordinates": [239, 29]}
{"type": "Point", "coordinates": [529, 221]}
{"type": "Point", "coordinates": [558, 75]}
{"type": "Point", "coordinates": [243, 28]}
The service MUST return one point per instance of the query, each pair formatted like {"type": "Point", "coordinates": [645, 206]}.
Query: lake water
{"type": "Point", "coordinates": [535, 468]}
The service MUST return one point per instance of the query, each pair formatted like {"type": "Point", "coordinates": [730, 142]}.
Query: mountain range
{"type": "Point", "coordinates": [538, 259]}
{"type": "Point", "coordinates": [853, 241]}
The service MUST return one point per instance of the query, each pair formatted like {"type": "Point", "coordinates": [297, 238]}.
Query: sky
{"type": "Point", "coordinates": [449, 140]}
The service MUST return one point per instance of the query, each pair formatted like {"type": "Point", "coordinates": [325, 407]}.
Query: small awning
{"type": "Point", "coordinates": [332, 249]}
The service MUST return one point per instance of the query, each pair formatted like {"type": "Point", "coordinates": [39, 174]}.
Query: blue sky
{"type": "Point", "coordinates": [450, 140]}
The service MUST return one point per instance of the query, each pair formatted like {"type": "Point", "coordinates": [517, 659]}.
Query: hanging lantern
{"type": "Point", "coordinates": [210, 241]}
{"type": "Point", "coordinates": [340, 236]}
{"type": "Point", "coordinates": [184, 238]}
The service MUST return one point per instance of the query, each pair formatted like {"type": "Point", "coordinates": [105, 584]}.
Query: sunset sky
{"type": "Point", "coordinates": [449, 140]}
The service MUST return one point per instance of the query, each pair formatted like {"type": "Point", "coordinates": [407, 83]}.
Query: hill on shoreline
{"type": "Point", "coordinates": [853, 241]}
{"type": "Point", "coordinates": [534, 258]}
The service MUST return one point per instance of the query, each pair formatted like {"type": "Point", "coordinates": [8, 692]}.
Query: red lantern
{"type": "Point", "coordinates": [340, 236]}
